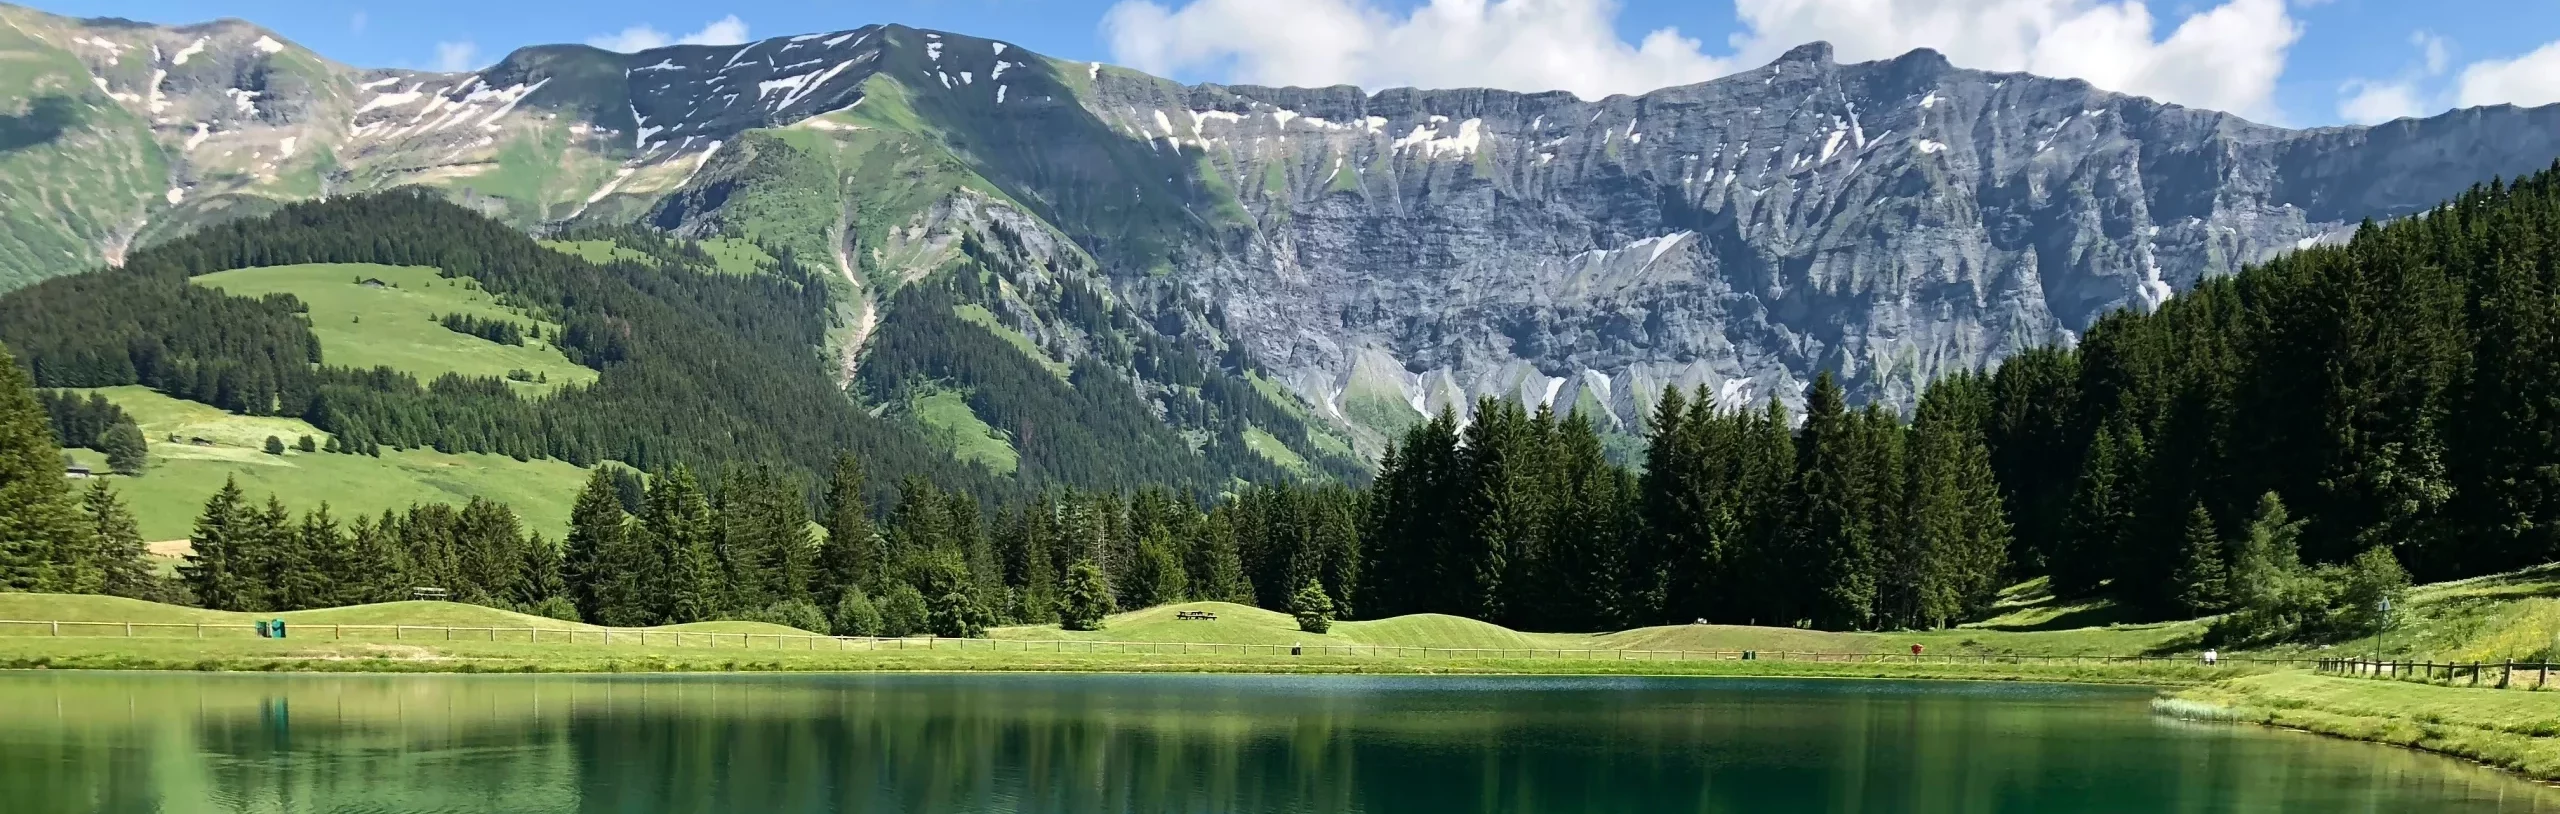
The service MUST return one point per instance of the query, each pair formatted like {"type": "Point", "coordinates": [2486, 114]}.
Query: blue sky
{"type": "Point", "coordinates": [2295, 62]}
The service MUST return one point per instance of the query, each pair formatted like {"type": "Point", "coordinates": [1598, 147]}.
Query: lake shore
{"type": "Point", "coordinates": [256, 655]}
{"type": "Point", "coordinates": [2514, 730]}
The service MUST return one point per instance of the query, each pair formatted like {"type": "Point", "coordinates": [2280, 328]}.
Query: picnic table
{"type": "Point", "coordinates": [1195, 614]}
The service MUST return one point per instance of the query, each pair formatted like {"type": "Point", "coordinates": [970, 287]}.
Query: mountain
{"type": "Point", "coordinates": [1378, 255]}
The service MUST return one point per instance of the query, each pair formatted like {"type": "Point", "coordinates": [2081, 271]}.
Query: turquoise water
{"type": "Point", "coordinates": [138, 742]}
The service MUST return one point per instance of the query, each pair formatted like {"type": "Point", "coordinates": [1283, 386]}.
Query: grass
{"type": "Point", "coordinates": [1272, 449]}
{"type": "Point", "coordinates": [947, 414]}
{"type": "Point", "coordinates": [979, 315]}
{"type": "Point", "coordinates": [395, 325]}
{"type": "Point", "coordinates": [169, 494]}
{"type": "Point", "coordinates": [737, 256]}
{"type": "Point", "coordinates": [2510, 729]}
{"type": "Point", "coordinates": [113, 609]}
{"type": "Point", "coordinates": [598, 252]}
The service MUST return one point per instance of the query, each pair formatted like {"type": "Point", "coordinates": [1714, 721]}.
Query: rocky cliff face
{"type": "Point", "coordinates": [1383, 254]}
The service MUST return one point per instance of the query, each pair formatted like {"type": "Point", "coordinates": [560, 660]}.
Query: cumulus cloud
{"type": "Point", "coordinates": [2226, 57]}
{"type": "Point", "coordinates": [727, 30]}
{"type": "Point", "coordinates": [2529, 80]}
{"type": "Point", "coordinates": [2370, 102]}
{"type": "Point", "coordinates": [1530, 45]}
{"type": "Point", "coordinates": [457, 56]}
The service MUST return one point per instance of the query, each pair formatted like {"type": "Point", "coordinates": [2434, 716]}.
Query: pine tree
{"type": "Point", "coordinates": [850, 556]}
{"type": "Point", "coordinates": [600, 584]}
{"type": "Point", "coordinates": [489, 553]}
{"type": "Point", "coordinates": [214, 569]}
{"type": "Point", "coordinates": [266, 550]}
{"type": "Point", "coordinates": [36, 514]}
{"type": "Point", "coordinates": [1213, 567]}
{"type": "Point", "coordinates": [539, 580]}
{"type": "Point", "coordinates": [2085, 547]}
{"type": "Point", "coordinates": [678, 530]}
{"type": "Point", "coordinates": [2202, 582]}
{"type": "Point", "coordinates": [374, 558]}
{"type": "Point", "coordinates": [127, 453]}
{"type": "Point", "coordinates": [123, 564]}
{"type": "Point", "coordinates": [1088, 597]}
{"type": "Point", "coordinates": [1836, 538]}
{"type": "Point", "coordinates": [953, 609]}
{"type": "Point", "coordinates": [305, 572]}
{"type": "Point", "coordinates": [1313, 609]}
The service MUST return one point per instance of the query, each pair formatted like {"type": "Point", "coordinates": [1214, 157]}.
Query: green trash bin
{"type": "Point", "coordinates": [1751, 655]}
{"type": "Point", "coordinates": [279, 624]}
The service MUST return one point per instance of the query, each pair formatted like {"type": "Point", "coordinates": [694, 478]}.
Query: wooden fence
{"type": "Point", "coordinates": [805, 642]}
{"type": "Point", "coordinates": [2508, 674]}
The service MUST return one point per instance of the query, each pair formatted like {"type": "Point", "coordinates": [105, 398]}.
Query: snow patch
{"type": "Point", "coordinates": [192, 49]}
{"type": "Point", "coordinates": [964, 77]}
{"type": "Point", "coordinates": [1164, 123]}
{"type": "Point", "coordinates": [175, 195]}
{"type": "Point", "coordinates": [998, 73]}
{"type": "Point", "coordinates": [287, 147]}
{"type": "Point", "coordinates": [1927, 146]}
{"type": "Point", "coordinates": [837, 40]}
{"type": "Point", "coordinates": [1280, 117]}
{"type": "Point", "coordinates": [933, 51]}
{"type": "Point", "coordinates": [1215, 115]}
{"type": "Point", "coordinates": [662, 65]}
{"type": "Point", "coordinates": [1831, 146]}
{"type": "Point", "coordinates": [155, 102]}
{"type": "Point", "coordinates": [1000, 94]}
{"type": "Point", "coordinates": [1093, 71]}
{"type": "Point", "coordinates": [268, 44]}
{"type": "Point", "coordinates": [203, 131]}
{"type": "Point", "coordinates": [610, 186]}
{"type": "Point", "coordinates": [999, 49]}
{"type": "Point", "coordinates": [1930, 100]}
{"type": "Point", "coordinates": [1470, 136]}
{"type": "Point", "coordinates": [394, 99]}
{"type": "Point", "coordinates": [741, 54]}
{"type": "Point", "coordinates": [245, 100]}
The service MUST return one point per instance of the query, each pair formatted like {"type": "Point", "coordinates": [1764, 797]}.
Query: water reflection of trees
{"type": "Point", "coordinates": [675, 745]}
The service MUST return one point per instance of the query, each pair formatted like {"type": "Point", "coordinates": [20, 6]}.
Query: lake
{"type": "Point", "coordinates": [177, 743]}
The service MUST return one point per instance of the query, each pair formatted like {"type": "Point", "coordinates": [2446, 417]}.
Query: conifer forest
{"type": "Point", "coordinates": [2279, 446]}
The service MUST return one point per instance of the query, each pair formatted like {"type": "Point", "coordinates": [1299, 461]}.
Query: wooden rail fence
{"type": "Point", "coordinates": [2508, 674]}
{"type": "Point", "coordinates": [786, 641]}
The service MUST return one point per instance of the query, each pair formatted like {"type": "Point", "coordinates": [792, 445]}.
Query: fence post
{"type": "Point", "coordinates": [2507, 674]}
{"type": "Point", "coordinates": [199, 630]}
{"type": "Point", "coordinates": [57, 626]}
{"type": "Point", "coordinates": [2475, 674]}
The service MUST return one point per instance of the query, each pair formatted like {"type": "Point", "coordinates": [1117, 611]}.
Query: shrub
{"type": "Point", "coordinates": [275, 446]}
{"type": "Point", "coordinates": [856, 616]}
{"type": "Point", "coordinates": [793, 613]}
{"type": "Point", "coordinates": [902, 611]}
{"type": "Point", "coordinates": [1313, 608]}
{"type": "Point", "coordinates": [556, 607]}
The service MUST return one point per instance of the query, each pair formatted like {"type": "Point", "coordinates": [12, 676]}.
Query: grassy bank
{"type": "Point", "coordinates": [788, 654]}
{"type": "Point", "coordinates": [2510, 729]}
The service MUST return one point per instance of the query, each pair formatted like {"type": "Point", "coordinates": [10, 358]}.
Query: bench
{"type": "Point", "coordinates": [1202, 615]}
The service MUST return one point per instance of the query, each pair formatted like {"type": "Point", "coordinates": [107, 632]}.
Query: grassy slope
{"type": "Point", "coordinates": [973, 312]}
{"type": "Point", "coordinates": [1278, 453]}
{"type": "Point", "coordinates": [2509, 729]}
{"type": "Point", "coordinates": [363, 326]}
{"type": "Point", "coordinates": [74, 191]}
{"type": "Point", "coordinates": [72, 608]}
{"type": "Point", "coordinates": [947, 413]}
{"type": "Point", "coordinates": [182, 475]}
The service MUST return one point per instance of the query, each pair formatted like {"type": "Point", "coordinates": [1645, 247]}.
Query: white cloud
{"type": "Point", "coordinates": [2435, 50]}
{"type": "Point", "coordinates": [2226, 57]}
{"type": "Point", "coordinates": [457, 56]}
{"type": "Point", "coordinates": [2369, 102]}
{"type": "Point", "coordinates": [1532, 45]}
{"type": "Point", "coordinates": [2529, 80]}
{"type": "Point", "coordinates": [727, 30]}
{"type": "Point", "coordinates": [2374, 101]}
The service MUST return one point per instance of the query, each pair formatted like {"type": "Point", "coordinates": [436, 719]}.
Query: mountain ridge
{"type": "Point", "coordinates": [1385, 254]}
